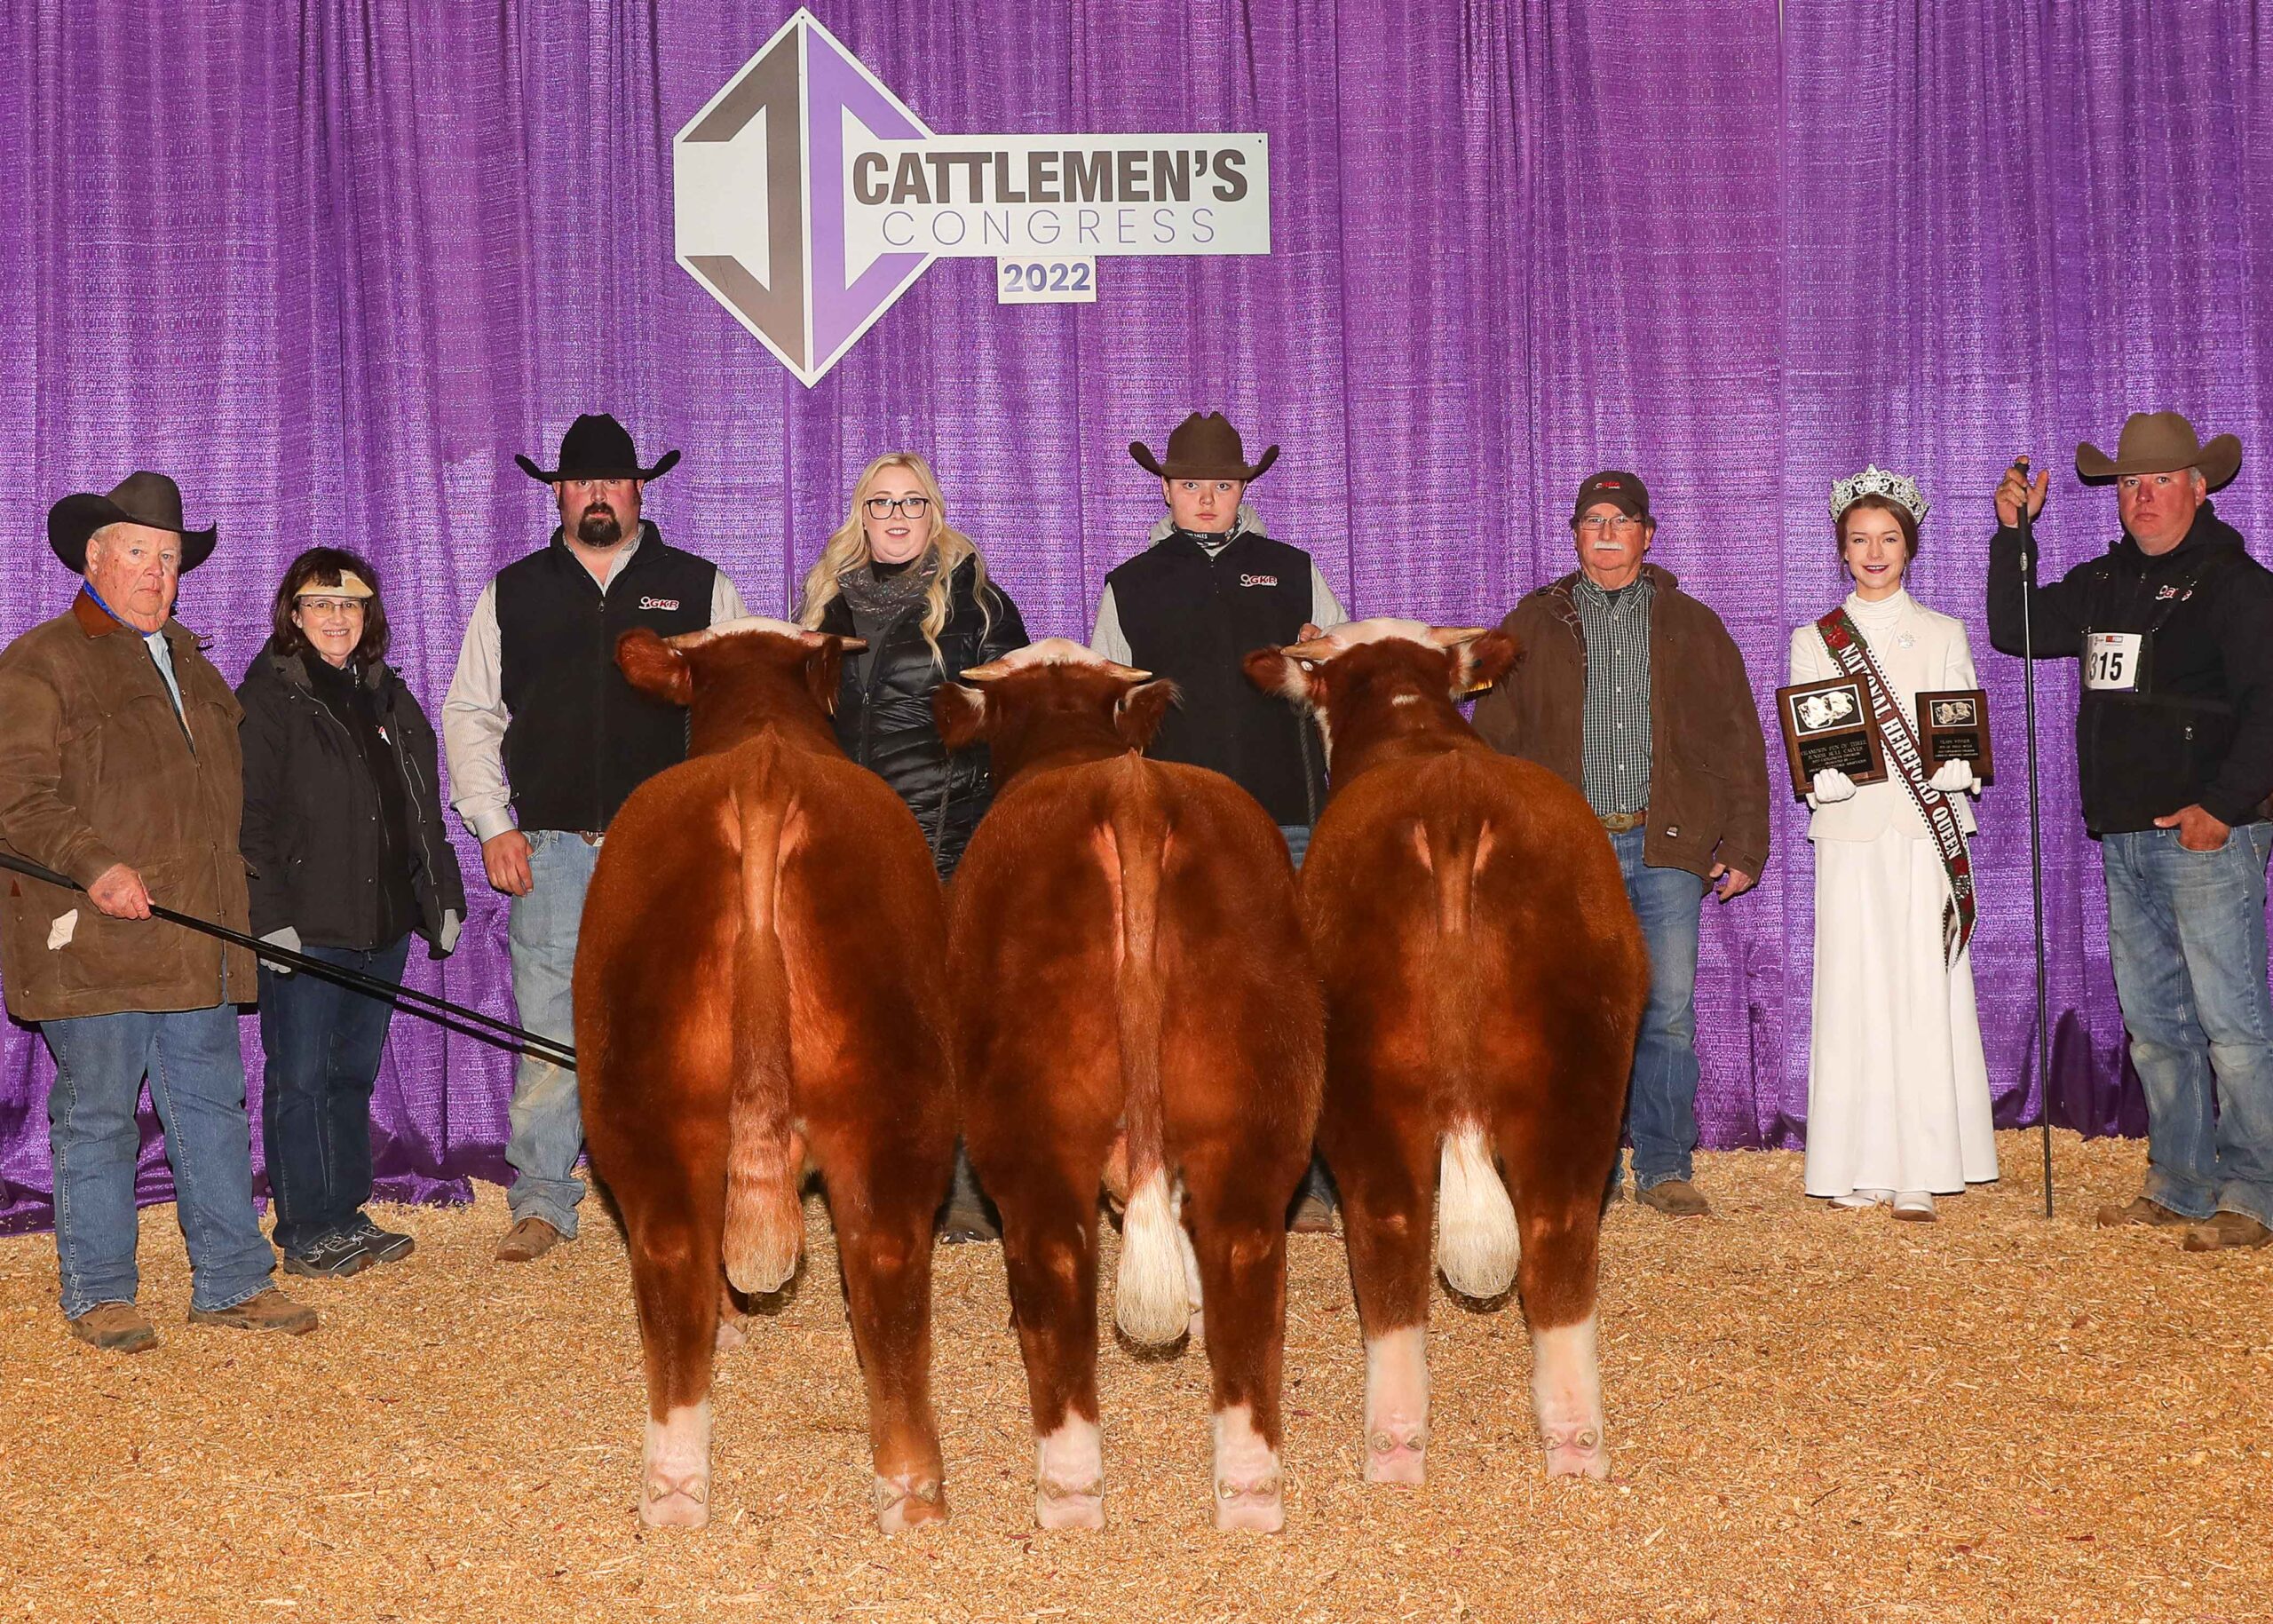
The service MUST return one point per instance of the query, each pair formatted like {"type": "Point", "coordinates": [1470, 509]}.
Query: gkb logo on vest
{"type": "Point", "coordinates": [809, 197]}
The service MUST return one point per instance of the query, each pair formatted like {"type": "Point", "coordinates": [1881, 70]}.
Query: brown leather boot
{"type": "Point", "coordinates": [527, 1241]}
{"type": "Point", "coordinates": [271, 1311]}
{"type": "Point", "coordinates": [2139, 1210]}
{"type": "Point", "coordinates": [1676, 1198]}
{"type": "Point", "coordinates": [114, 1328]}
{"type": "Point", "coordinates": [2227, 1229]}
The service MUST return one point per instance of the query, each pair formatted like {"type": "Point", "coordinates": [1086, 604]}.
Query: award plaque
{"type": "Point", "coordinates": [1953, 726]}
{"type": "Point", "coordinates": [1827, 725]}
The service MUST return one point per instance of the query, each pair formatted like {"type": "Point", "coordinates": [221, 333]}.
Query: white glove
{"type": "Point", "coordinates": [1832, 786]}
{"type": "Point", "coordinates": [286, 938]}
{"type": "Point", "coordinates": [1955, 777]}
{"type": "Point", "coordinates": [447, 938]}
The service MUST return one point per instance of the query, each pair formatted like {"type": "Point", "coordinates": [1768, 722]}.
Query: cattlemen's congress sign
{"type": "Point", "coordinates": [809, 198]}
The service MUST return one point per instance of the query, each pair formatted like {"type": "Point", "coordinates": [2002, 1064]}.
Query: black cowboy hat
{"type": "Point", "coordinates": [597, 446]}
{"type": "Point", "coordinates": [1203, 449]}
{"type": "Point", "coordinates": [141, 498]}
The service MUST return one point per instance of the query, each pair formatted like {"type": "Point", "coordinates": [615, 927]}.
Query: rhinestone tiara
{"type": "Point", "coordinates": [1876, 481]}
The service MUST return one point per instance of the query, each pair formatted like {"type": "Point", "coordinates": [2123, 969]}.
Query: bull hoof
{"type": "Point", "coordinates": [1063, 1505]}
{"type": "Point", "coordinates": [1578, 1452]}
{"type": "Point", "coordinates": [676, 1502]}
{"type": "Point", "coordinates": [731, 1336]}
{"type": "Point", "coordinates": [1256, 1507]}
{"type": "Point", "coordinates": [904, 1502]}
{"type": "Point", "coordinates": [1397, 1457]}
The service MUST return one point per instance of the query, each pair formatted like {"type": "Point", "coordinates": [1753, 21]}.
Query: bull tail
{"type": "Point", "coordinates": [1478, 1244]}
{"type": "Point", "coordinates": [765, 1226]}
{"type": "Point", "coordinates": [1150, 1301]}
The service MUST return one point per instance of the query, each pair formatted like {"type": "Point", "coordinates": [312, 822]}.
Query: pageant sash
{"type": "Point", "coordinates": [1903, 754]}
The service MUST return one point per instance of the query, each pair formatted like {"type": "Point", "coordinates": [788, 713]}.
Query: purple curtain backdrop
{"type": "Point", "coordinates": [333, 263]}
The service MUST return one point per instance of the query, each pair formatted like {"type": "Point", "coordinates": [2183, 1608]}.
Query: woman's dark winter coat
{"type": "Point", "coordinates": [884, 707]}
{"type": "Point", "coordinates": [312, 832]}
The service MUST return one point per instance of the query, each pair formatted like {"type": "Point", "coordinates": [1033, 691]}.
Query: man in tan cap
{"type": "Point", "coordinates": [2174, 624]}
{"type": "Point", "coordinates": [119, 768]}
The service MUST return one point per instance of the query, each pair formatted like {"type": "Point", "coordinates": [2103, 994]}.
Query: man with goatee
{"type": "Point", "coordinates": [545, 741]}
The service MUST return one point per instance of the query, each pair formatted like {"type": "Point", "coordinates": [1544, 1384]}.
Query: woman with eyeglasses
{"type": "Point", "coordinates": [897, 574]}
{"type": "Point", "coordinates": [349, 856]}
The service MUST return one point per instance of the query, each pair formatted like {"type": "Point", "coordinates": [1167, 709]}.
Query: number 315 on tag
{"type": "Point", "coordinates": [1045, 281]}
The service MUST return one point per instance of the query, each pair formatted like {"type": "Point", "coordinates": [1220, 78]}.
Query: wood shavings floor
{"type": "Point", "coordinates": [1815, 1416]}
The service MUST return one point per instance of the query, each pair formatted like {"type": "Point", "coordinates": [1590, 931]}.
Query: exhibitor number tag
{"type": "Point", "coordinates": [2115, 662]}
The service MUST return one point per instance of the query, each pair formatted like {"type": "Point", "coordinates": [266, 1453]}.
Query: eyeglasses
{"type": "Point", "coordinates": [1622, 525]}
{"type": "Point", "coordinates": [322, 606]}
{"type": "Point", "coordinates": [884, 507]}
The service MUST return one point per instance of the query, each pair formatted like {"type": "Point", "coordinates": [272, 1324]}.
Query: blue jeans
{"type": "Point", "coordinates": [2186, 931]}
{"type": "Point", "coordinates": [1661, 1096]}
{"type": "Point", "coordinates": [546, 1121]}
{"type": "Point", "coordinates": [197, 1082]}
{"type": "Point", "coordinates": [323, 1042]}
{"type": "Point", "coordinates": [1298, 840]}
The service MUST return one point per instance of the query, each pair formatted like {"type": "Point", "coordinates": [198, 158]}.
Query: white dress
{"type": "Point", "coordinates": [1897, 1088]}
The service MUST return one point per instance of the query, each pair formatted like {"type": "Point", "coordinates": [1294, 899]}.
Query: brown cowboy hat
{"type": "Point", "coordinates": [2157, 442]}
{"type": "Point", "coordinates": [141, 498]}
{"type": "Point", "coordinates": [1203, 449]}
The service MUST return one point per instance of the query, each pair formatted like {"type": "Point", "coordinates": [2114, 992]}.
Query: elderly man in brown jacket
{"type": "Point", "coordinates": [119, 768]}
{"type": "Point", "coordinates": [1635, 692]}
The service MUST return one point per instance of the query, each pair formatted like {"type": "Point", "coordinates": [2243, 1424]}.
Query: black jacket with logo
{"type": "Point", "coordinates": [1193, 618]}
{"type": "Point", "coordinates": [2200, 728]}
{"type": "Point", "coordinates": [313, 834]}
{"type": "Point", "coordinates": [884, 707]}
{"type": "Point", "coordinates": [581, 738]}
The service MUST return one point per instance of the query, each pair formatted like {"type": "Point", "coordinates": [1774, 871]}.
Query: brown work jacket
{"type": "Point", "coordinates": [96, 768]}
{"type": "Point", "coordinates": [1708, 765]}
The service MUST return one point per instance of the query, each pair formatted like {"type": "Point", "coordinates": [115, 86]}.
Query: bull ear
{"type": "Point", "coordinates": [653, 666]}
{"type": "Point", "coordinates": [1137, 715]}
{"type": "Point", "coordinates": [1484, 659]}
{"type": "Point", "coordinates": [824, 667]}
{"type": "Point", "coordinates": [960, 712]}
{"type": "Point", "coordinates": [1281, 671]}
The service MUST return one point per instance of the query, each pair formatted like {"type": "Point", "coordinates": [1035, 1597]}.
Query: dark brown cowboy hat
{"type": "Point", "coordinates": [597, 446]}
{"type": "Point", "coordinates": [141, 498]}
{"type": "Point", "coordinates": [2157, 442]}
{"type": "Point", "coordinates": [1203, 449]}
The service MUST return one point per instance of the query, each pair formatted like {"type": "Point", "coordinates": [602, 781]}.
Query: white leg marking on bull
{"type": "Point", "coordinates": [1069, 1477]}
{"type": "Point", "coordinates": [1566, 1390]}
{"type": "Point", "coordinates": [1248, 1494]}
{"type": "Point", "coordinates": [1148, 1300]}
{"type": "Point", "coordinates": [905, 1500]}
{"type": "Point", "coordinates": [1397, 1406]}
{"type": "Point", "coordinates": [674, 1468]}
{"type": "Point", "coordinates": [1478, 1243]}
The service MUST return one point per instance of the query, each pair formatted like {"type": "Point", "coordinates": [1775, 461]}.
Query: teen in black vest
{"type": "Point", "coordinates": [546, 740]}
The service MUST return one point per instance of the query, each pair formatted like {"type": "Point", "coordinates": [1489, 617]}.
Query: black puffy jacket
{"type": "Point", "coordinates": [883, 708]}
{"type": "Point", "coordinates": [310, 823]}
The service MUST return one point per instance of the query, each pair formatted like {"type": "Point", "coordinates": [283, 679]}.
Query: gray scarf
{"type": "Point", "coordinates": [875, 604]}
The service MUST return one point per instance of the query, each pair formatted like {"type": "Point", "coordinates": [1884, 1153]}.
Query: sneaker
{"type": "Point", "coordinates": [331, 1257]}
{"type": "Point", "coordinates": [2227, 1229]}
{"type": "Point", "coordinates": [385, 1246]}
{"type": "Point", "coordinates": [271, 1311]}
{"type": "Point", "coordinates": [1914, 1206]}
{"type": "Point", "coordinates": [527, 1241]}
{"type": "Point", "coordinates": [2153, 1215]}
{"type": "Point", "coordinates": [114, 1328]}
{"type": "Point", "coordinates": [1676, 1198]}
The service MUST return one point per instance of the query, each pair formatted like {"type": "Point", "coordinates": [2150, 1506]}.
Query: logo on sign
{"type": "Point", "coordinates": [1258, 580]}
{"type": "Point", "coordinates": [659, 602]}
{"type": "Point", "coordinates": [808, 197]}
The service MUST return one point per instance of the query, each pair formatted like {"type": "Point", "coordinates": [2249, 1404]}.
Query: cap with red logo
{"type": "Point", "coordinates": [1616, 486]}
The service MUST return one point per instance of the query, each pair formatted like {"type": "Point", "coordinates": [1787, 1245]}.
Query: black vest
{"type": "Point", "coordinates": [581, 738]}
{"type": "Point", "coordinates": [1193, 618]}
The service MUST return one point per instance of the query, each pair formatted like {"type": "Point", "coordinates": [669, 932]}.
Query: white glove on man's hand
{"type": "Point", "coordinates": [1955, 777]}
{"type": "Point", "coordinates": [447, 938]}
{"type": "Point", "coordinates": [286, 938]}
{"type": "Point", "coordinates": [1831, 786]}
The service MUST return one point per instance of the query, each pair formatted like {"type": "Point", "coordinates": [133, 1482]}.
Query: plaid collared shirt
{"type": "Point", "coordinates": [1616, 629]}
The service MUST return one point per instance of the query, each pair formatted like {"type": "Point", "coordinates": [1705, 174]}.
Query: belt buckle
{"type": "Point", "coordinates": [1620, 823]}
{"type": "Point", "coordinates": [592, 837]}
